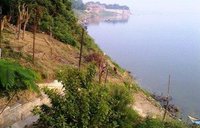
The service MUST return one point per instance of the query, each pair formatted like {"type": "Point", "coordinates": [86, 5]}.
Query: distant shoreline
{"type": "Point", "coordinates": [112, 9]}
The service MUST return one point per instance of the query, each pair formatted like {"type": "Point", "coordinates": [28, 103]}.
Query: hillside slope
{"type": "Point", "coordinates": [49, 54]}
{"type": "Point", "coordinates": [52, 54]}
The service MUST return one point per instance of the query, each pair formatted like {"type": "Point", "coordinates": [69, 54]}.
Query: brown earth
{"type": "Point", "coordinates": [52, 54]}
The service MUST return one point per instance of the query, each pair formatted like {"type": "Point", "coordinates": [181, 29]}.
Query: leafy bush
{"type": "Point", "coordinates": [14, 77]}
{"type": "Point", "coordinates": [175, 124]}
{"type": "Point", "coordinates": [151, 123]}
{"type": "Point", "coordinates": [86, 104]}
{"type": "Point", "coordinates": [78, 4]}
{"type": "Point", "coordinates": [61, 31]}
{"type": "Point", "coordinates": [90, 44]}
{"type": "Point", "coordinates": [157, 123]}
{"type": "Point", "coordinates": [94, 57]}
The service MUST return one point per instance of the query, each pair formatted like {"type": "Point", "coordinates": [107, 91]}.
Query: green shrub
{"type": "Point", "coordinates": [14, 77]}
{"type": "Point", "coordinates": [61, 31]}
{"type": "Point", "coordinates": [175, 124]}
{"type": "Point", "coordinates": [90, 43]}
{"type": "Point", "coordinates": [157, 123]}
{"type": "Point", "coordinates": [86, 104]}
{"type": "Point", "coordinates": [151, 123]}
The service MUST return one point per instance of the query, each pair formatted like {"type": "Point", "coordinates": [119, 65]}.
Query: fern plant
{"type": "Point", "coordinates": [14, 77]}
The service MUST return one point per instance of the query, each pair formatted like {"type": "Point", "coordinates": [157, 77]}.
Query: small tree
{"type": "Point", "coordinates": [26, 16]}
{"type": "Point", "coordinates": [21, 12]}
{"type": "Point", "coordinates": [101, 63]}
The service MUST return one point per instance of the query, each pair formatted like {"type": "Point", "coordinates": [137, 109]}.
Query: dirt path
{"type": "Point", "coordinates": [146, 106]}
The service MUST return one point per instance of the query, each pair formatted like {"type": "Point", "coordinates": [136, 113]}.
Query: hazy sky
{"type": "Point", "coordinates": [162, 6]}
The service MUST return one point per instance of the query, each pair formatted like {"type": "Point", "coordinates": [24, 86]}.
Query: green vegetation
{"type": "Point", "coordinates": [86, 104]}
{"type": "Point", "coordinates": [58, 18]}
{"type": "Point", "coordinates": [78, 4]}
{"type": "Point", "coordinates": [156, 123]}
{"type": "Point", "coordinates": [14, 77]}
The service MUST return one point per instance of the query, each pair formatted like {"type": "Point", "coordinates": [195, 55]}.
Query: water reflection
{"type": "Point", "coordinates": [96, 20]}
{"type": "Point", "coordinates": [152, 47]}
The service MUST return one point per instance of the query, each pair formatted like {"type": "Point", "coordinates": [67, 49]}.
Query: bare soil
{"type": "Point", "coordinates": [52, 54]}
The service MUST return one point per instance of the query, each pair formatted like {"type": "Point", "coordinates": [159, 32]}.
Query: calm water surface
{"type": "Point", "coordinates": [152, 46]}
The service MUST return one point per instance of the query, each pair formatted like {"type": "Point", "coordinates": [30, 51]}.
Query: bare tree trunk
{"type": "Point", "coordinates": [24, 29]}
{"type": "Point", "coordinates": [27, 17]}
{"type": "Point", "coordinates": [35, 27]}
{"type": "Point", "coordinates": [34, 35]}
{"type": "Point", "coordinates": [0, 33]}
{"type": "Point", "coordinates": [17, 26]}
{"type": "Point", "coordinates": [20, 20]}
{"type": "Point", "coordinates": [106, 75]}
{"type": "Point", "coordinates": [9, 18]}
{"type": "Point", "coordinates": [3, 22]}
{"type": "Point", "coordinates": [100, 72]}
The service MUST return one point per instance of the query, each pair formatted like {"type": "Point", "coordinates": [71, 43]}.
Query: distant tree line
{"type": "Point", "coordinates": [78, 4]}
{"type": "Point", "coordinates": [111, 6]}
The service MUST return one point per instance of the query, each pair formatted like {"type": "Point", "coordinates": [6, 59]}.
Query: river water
{"type": "Point", "coordinates": [154, 45]}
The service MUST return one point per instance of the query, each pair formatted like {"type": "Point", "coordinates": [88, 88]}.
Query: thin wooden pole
{"type": "Point", "coordinates": [34, 36]}
{"type": "Point", "coordinates": [8, 103]}
{"type": "Point", "coordinates": [167, 104]}
{"type": "Point", "coordinates": [106, 78]}
{"type": "Point", "coordinates": [81, 49]}
{"type": "Point", "coordinates": [169, 82]}
{"type": "Point", "coordinates": [0, 32]}
{"type": "Point", "coordinates": [0, 37]}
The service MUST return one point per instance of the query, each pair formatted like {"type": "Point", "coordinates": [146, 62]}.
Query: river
{"type": "Point", "coordinates": [154, 45]}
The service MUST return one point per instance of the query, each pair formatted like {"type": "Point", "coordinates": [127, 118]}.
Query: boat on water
{"type": "Point", "coordinates": [194, 120]}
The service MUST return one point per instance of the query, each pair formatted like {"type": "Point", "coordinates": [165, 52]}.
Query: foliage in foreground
{"type": "Point", "coordinates": [14, 77]}
{"type": "Point", "coordinates": [86, 104]}
{"type": "Point", "coordinates": [157, 123]}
